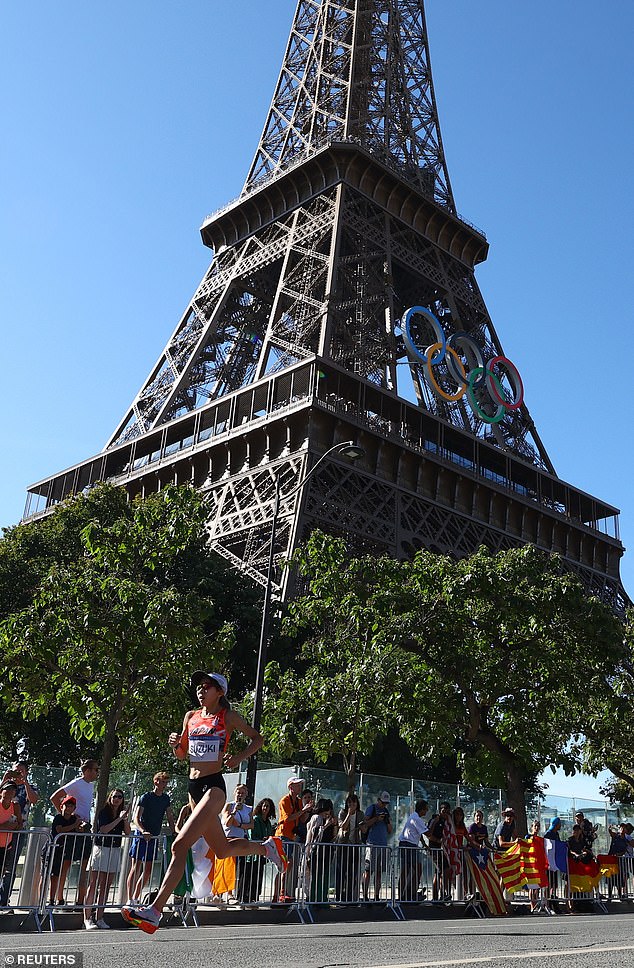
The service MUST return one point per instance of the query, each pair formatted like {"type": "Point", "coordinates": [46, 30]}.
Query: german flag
{"type": "Point", "coordinates": [608, 865]}
{"type": "Point", "coordinates": [583, 875]}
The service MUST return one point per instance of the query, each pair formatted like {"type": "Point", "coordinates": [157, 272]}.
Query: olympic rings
{"type": "Point", "coordinates": [468, 345]}
{"type": "Point", "coordinates": [432, 379]}
{"type": "Point", "coordinates": [475, 406]}
{"type": "Point", "coordinates": [514, 378]}
{"type": "Point", "coordinates": [470, 376]}
{"type": "Point", "coordinates": [407, 333]}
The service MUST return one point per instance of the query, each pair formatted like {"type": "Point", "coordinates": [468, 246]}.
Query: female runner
{"type": "Point", "coordinates": [205, 739]}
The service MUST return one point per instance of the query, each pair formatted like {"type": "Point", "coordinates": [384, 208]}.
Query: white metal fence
{"type": "Point", "coordinates": [96, 874]}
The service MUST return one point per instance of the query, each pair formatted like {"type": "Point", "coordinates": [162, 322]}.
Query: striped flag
{"type": "Point", "coordinates": [608, 865]}
{"type": "Point", "coordinates": [509, 867]}
{"type": "Point", "coordinates": [211, 874]}
{"type": "Point", "coordinates": [486, 880]}
{"type": "Point", "coordinates": [523, 865]}
{"type": "Point", "coordinates": [583, 875]}
{"type": "Point", "coordinates": [203, 872]}
{"type": "Point", "coordinates": [534, 863]}
{"type": "Point", "coordinates": [452, 849]}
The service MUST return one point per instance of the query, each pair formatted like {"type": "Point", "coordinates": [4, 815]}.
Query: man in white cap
{"type": "Point", "coordinates": [291, 810]}
{"type": "Point", "coordinates": [379, 826]}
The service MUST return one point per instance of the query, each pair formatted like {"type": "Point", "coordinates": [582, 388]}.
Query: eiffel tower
{"type": "Point", "coordinates": [341, 304]}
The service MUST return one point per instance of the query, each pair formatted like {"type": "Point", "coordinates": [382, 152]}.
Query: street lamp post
{"type": "Point", "coordinates": [353, 452]}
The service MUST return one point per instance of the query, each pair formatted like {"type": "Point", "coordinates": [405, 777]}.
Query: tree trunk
{"type": "Point", "coordinates": [515, 795]}
{"type": "Point", "coordinates": [618, 771]}
{"type": "Point", "coordinates": [107, 756]}
{"type": "Point", "coordinates": [479, 732]}
{"type": "Point", "coordinates": [351, 772]}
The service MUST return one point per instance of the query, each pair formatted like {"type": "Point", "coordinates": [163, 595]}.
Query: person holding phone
{"type": "Point", "coordinates": [379, 827]}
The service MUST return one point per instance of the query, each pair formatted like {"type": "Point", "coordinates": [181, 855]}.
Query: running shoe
{"type": "Point", "coordinates": [275, 853]}
{"type": "Point", "coordinates": [89, 924]}
{"type": "Point", "coordinates": [145, 918]}
{"type": "Point", "coordinates": [102, 924]}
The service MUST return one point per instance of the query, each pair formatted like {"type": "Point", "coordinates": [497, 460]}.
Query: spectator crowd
{"type": "Point", "coordinates": [333, 854]}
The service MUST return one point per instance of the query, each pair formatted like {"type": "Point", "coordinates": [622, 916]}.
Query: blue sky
{"type": "Point", "coordinates": [125, 124]}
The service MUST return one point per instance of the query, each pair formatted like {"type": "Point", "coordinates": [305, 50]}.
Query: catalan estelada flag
{"type": "Point", "coordinates": [486, 880]}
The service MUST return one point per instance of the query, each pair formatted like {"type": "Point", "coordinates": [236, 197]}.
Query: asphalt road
{"type": "Point", "coordinates": [580, 941]}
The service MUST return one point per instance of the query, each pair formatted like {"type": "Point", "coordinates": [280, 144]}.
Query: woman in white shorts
{"type": "Point", "coordinates": [112, 824]}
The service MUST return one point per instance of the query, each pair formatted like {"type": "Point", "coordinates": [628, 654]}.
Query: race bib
{"type": "Point", "coordinates": [204, 749]}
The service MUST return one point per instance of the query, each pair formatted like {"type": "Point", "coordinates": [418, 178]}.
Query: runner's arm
{"type": "Point", "coordinates": [236, 722]}
{"type": "Point", "coordinates": [178, 742]}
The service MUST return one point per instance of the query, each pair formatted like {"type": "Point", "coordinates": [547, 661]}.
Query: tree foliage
{"type": "Point", "coordinates": [45, 740]}
{"type": "Point", "coordinates": [608, 741]}
{"type": "Point", "coordinates": [342, 690]}
{"type": "Point", "coordinates": [27, 551]}
{"type": "Point", "coordinates": [117, 623]}
{"type": "Point", "coordinates": [490, 660]}
{"type": "Point", "coordinates": [513, 650]}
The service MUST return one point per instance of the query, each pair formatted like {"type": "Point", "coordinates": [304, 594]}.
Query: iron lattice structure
{"type": "Point", "coordinates": [295, 339]}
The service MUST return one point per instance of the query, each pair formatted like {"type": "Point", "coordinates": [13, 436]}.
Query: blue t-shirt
{"type": "Point", "coordinates": [23, 799]}
{"type": "Point", "coordinates": [154, 807]}
{"type": "Point", "coordinates": [377, 833]}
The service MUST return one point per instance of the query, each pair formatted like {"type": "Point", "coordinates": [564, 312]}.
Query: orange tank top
{"type": "Point", "coordinates": [5, 813]}
{"type": "Point", "coordinates": [207, 737]}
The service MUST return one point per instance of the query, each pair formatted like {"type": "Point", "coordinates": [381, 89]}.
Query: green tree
{"type": "Point", "coordinates": [43, 740]}
{"type": "Point", "coordinates": [618, 791]}
{"type": "Point", "coordinates": [27, 553]}
{"type": "Point", "coordinates": [110, 633]}
{"type": "Point", "coordinates": [509, 647]}
{"type": "Point", "coordinates": [28, 550]}
{"type": "Point", "coordinates": [608, 742]}
{"type": "Point", "coordinates": [343, 688]}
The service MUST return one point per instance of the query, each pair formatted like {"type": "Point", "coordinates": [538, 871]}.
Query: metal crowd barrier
{"type": "Point", "coordinates": [91, 873]}
{"type": "Point", "coordinates": [20, 872]}
{"type": "Point", "coordinates": [622, 884]}
{"type": "Point", "coordinates": [342, 874]}
{"type": "Point", "coordinates": [251, 882]}
{"type": "Point", "coordinates": [44, 877]}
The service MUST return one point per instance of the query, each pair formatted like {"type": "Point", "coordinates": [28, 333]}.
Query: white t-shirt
{"type": "Point", "coordinates": [243, 815]}
{"type": "Point", "coordinates": [83, 791]}
{"type": "Point", "coordinates": [411, 832]}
